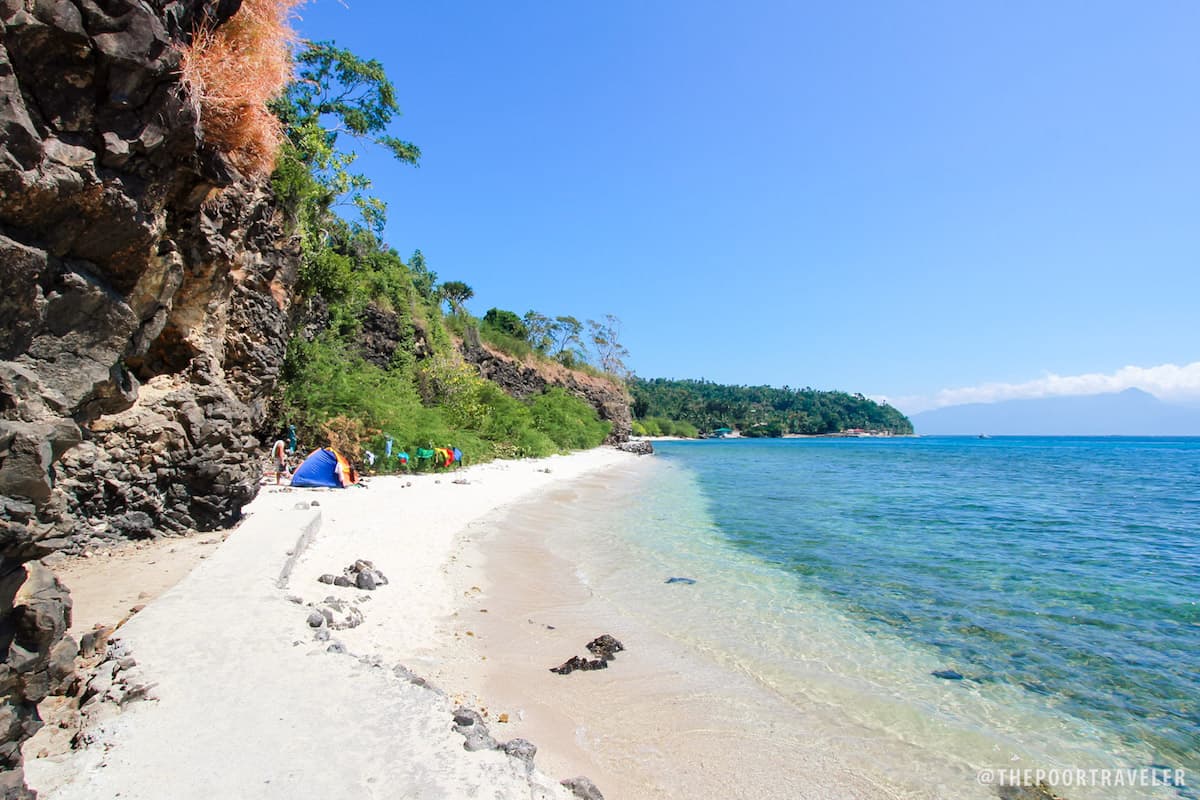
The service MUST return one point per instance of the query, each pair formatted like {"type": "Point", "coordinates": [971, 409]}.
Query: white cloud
{"type": "Point", "coordinates": [1169, 382]}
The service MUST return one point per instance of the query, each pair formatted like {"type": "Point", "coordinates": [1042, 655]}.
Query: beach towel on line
{"type": "Point", "coordinates": [324, 467]}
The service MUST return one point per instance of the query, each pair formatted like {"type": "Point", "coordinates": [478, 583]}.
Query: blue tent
{"type": "Point", "coordinates": [324, 467]}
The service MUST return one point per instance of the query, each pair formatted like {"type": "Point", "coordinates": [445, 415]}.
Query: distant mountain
{"type": "Point", "coordinates": [1128, 413]}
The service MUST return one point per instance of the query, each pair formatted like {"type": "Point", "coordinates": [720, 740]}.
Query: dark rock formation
{"type": "Point", "coordinates": [144, 309]}
{"type": "Point", "coordinates": [604, 648]}
{"type": "Point", "coordinates": [361, 573]}
{"type": "Point", "coordinates": [39, 660]}
{"type": "Point", "coordinates": [522, 380]}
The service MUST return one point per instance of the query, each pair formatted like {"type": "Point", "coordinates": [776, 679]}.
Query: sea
{"type": "Point", "coordinates": [1025, 608]}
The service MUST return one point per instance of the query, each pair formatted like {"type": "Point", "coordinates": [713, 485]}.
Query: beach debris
{"type": "Point", "coordinates": [637, 448]}
{"type": "Point", "coordinates": [604, 648]}
{"type": "Point", "coordinates": [469, 723]}
{"type": "Point", "coordinates": [583, 788]}
{"type": "Point", "coordinates": [947, 674]}
{"type": "Point", "coordinates": [686, 581]}
{"type": "Point", "coordinates": [461, 481]}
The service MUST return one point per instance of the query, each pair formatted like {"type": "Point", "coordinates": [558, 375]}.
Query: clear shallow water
{"type": "Point", "coordinates": [1061, 577]}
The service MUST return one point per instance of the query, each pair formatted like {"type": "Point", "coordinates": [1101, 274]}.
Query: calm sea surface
{"type": "Point", "coordinates": [1060, 577]}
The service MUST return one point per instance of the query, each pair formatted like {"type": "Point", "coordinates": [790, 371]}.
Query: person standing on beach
{"type": "Point", "coordinates": [279, 456]}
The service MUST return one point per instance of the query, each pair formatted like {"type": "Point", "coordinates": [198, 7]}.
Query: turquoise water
{"type": "Point", "coordinates": [1059, 576]}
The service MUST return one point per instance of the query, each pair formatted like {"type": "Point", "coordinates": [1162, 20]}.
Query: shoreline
{"type": "Point", "coordinates": [271, 707]}
{"type": "Point", "coordinates": [664, 720]}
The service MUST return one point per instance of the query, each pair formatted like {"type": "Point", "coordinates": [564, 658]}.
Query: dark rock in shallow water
{"type": "Point", "coordinates": [1039, 792]}
{"type": "Point", "coordinates": [603, 647]}
{"type": "Point", "coordinates": [577, 663]}
{"type": "Point", "coordinates": [947, 674]}
{"type": "Point", "coordinates": [687, 581]}
{"type": "Point", "coordinates": [583, 788]}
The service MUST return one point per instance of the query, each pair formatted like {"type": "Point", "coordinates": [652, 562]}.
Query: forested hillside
{"type": "Point", "coordinates": [762, 410]}
{"type": "Point", "coordinates": [377, 353]}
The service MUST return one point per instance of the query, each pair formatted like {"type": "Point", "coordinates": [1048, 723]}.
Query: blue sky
{"type": "Point", "coordinates": [891, 198]}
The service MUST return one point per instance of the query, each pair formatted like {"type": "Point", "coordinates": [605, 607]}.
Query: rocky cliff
{"type": "Point", "coordinates": [144, 310]}
{"type": "Point", "coordinates": [523, 380]}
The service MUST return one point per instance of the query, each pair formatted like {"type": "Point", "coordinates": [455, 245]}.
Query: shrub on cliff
{"type": "Point", "coordinates": [236, 69]}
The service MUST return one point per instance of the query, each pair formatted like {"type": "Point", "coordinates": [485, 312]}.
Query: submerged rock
{"type": "Point", "coordinates": [947, 674]}
{"type": "Point", "coordinates": [686, 581]}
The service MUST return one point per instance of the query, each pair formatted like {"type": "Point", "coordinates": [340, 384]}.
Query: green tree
{"type": "Point", "coordinates": [423, 278]}
{"type": "Point", "coordinates": [336, 92]}
{"type": "Point", "coordinates": [539, 327]}
{"type": "Point", "coordinates": [456, 293]}
{"type": "Point", "coordinates": [565, 339]}
{"type": "Point", "coordinates": [506, 322]}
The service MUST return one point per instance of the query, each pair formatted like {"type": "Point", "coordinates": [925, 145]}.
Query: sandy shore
{"type": "Point", "coordinates": [663, 721]}
{"type": "Point", "coordinates": [250, 703]}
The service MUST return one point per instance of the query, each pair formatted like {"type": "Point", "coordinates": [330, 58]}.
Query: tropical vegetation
{"type": "Point", "coordinates": [761, 410]}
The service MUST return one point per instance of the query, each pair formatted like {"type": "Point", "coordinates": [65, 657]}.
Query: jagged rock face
{"type": "Point", "coordinates": [144, 303]}
{"type": "Point", "coordinates": [130, 253]}
{"type": "Point", "coordinates": [521, 380]}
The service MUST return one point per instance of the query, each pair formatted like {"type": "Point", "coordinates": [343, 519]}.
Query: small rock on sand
{"type": "Point", "coordinates": [583, 788]}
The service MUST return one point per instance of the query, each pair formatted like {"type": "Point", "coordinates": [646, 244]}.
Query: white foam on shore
{"type": "Point", "coordinates": [249, 705]}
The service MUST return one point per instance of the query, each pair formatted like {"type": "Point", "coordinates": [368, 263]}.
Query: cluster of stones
{"type": "Point", "coordinates": [362, 574]}
{"type": "Point", "coordinates": [604, 648]}
{"type": "Point", "coordinates": [640, 448]}
{"type": "Point", "coordinates": [470, 724]}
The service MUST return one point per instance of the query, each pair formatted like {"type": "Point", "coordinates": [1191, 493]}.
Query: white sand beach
{"type": "Point", "coordinates": [249, 703]}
